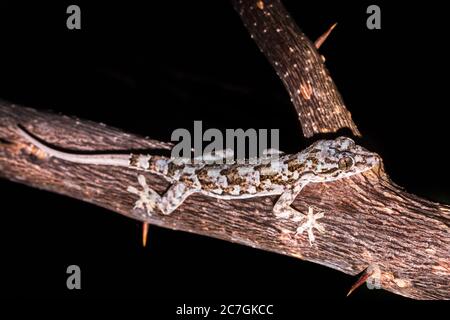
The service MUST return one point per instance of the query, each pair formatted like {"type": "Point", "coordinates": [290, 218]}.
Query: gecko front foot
{"type": "Point", "coordinates": [310, 224]}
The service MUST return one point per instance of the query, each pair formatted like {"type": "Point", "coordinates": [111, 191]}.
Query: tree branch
{"type": "Point", "coordinates": [294, 57]}
{"type": "Point", "coordinates": [321, 109]}
{"type": "Point", "coordinates": [368, 220]}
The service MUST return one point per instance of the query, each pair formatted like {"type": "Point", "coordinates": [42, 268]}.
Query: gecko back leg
{"type": "Point", "coordinates": [150, 200]}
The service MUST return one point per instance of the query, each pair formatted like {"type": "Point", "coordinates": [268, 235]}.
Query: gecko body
{"type": "Point", "coordinates": [286, 175]}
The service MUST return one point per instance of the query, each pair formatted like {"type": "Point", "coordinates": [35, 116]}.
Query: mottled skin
{"type": "Point", "coordinates": [286, 175]}
{"type": "Point", "coordinates": [323, 161]}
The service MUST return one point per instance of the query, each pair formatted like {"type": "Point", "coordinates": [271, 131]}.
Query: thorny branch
{"type": "Point", "coordinates": [371, 221]}
{"type": "Point", "coordinates": [294, 57]}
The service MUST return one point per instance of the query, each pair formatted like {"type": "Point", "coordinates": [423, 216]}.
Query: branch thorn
{"type": "Point", "coordinates": [144, 234]}
{"type": "Point", "coordinates": [324, 37]}
{"type": "Point", "coordinates": [366, 275]}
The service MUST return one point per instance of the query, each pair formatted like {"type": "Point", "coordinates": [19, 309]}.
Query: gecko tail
{"type": "Point", "coordinates": [122, 160]}
{"type": "Point", "coordinates": [154, 164]}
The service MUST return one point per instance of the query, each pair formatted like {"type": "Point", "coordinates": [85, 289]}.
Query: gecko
{"type": "Point", "coordinates": [284, 176]}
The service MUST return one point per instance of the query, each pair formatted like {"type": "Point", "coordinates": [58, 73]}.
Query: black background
{"type": "Point", "coordinates": [152, 68]}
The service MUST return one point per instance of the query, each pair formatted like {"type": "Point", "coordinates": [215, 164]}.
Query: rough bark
{"type": "Point", "coordinates": [368, 220]}
{"type": "Point", "coordinates": [298, 64]}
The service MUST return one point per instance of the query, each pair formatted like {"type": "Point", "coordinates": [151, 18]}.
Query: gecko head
{"type": "Point", "coordinates": [339, 158]}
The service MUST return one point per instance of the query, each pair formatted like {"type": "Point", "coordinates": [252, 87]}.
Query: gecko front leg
{"type": "Point", "coordinates": [282, 209]}
{"type": "Point", "coordinates": [149, 199]}
{"type": "Point", "coordinates": [310, 224]}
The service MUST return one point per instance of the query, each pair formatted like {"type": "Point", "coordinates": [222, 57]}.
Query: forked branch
{"type": "Point", "coordinates": [369, 221]}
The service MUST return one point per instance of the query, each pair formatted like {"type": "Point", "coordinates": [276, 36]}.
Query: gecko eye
{"type": "Point", "coordinates": [346, 163]}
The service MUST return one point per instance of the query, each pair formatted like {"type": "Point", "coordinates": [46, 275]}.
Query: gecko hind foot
{"type": "Point", "coordinates": [148, 198]}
